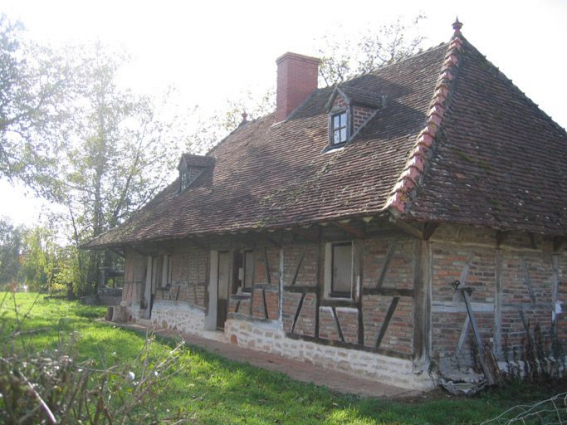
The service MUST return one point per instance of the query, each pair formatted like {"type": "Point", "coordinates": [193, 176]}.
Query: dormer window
{"type": "Point", "coordinates": [191, 167]}
{"type": "Point", "coordinates": [188, 175]}
{"type": "Point", "coordinates": [350, 109]}
{"type": "Point", "coordinates": [339, 128]}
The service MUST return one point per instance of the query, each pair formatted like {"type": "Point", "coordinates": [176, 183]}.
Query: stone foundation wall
{"type": "Point", "coordinates": [270, 338]}
{"type": "Point", "coordinates": [178, 316]}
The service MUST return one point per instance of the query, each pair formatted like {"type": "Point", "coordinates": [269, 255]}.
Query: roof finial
{"type": "Point", "coordinates": [244, 118]}
{"type": "Point", "coordinates": [457, 26]}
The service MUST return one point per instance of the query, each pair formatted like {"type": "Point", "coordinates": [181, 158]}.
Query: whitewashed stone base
{"type": "Point", "coordinates": [178, 316]}
{"type": "Point", "coordinates": [270, 338]}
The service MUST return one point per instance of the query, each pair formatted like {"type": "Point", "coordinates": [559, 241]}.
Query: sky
{"type": "Point", "coordinates": [216, 50]}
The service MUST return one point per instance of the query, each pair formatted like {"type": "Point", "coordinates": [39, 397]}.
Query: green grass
{"type": "Point", "coordinates": [219, 391]}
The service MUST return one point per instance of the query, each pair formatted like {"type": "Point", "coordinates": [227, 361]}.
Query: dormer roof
{"type": "Point", "coordinates": [198, 161]}
{"type": "Point", "coordinates": [358, 96]}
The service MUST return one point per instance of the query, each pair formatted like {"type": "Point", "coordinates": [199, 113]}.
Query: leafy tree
{"type": "Point", "coordinates": [34, 81]}
{"type": "Point", "coordinates": [10, 247]}
{"type": "Point", "coordinates": [343, 58]}
{"type": "Point", "coordinates": [40, 254]}
{"type": "Point", "coordinates": [120, 151]}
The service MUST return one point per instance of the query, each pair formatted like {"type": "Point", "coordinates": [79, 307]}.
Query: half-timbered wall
{"type": "Point", "coordinates": [380, 315]}
{"type": "Point", "coordinates": [189, 277]}
{"type": "Point", "coordinates": [517, 284]}
{"type": "Point", "coordinates": [134, 276]}
{"type": "Point", "coordinates": [405, 303]}
{"type": "Point", "coordinates": [261, 301]}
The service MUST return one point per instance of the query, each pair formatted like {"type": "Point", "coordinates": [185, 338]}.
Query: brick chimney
{"type": "Point", "coordinates": [297, 79]}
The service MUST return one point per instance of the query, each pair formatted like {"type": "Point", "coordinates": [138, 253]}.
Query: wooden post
{"type": "Point", "coordinates": [422, 302]}
{"type": "Point", "coordinates": [498, 306]}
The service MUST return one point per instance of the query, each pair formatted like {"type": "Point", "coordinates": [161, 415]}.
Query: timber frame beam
{"type": "Point", "coordinates": [423, 233]}
{"type": "Point", "coordinates": [350, 229]}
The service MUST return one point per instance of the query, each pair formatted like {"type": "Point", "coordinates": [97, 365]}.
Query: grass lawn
{"type": "Point", "coordinates": [219, 391]}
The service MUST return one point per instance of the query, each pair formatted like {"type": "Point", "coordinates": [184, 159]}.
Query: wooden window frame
{"type": "Point", "coordinates": [330, 293]}
{"type": "Point", "coordinates": [333, 129]}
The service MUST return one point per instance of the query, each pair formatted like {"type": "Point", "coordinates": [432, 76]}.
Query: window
{"type": "Point", "coordinates": [248, 270]}
{"type": "Point", "coordinates": [339, 272]}
{"type": "Point", "coordinates": [187, 175]}
{"type": "Point", "coordinates": [339, 128]}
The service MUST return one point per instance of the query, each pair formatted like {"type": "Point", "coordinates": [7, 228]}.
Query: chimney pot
{"type": "Point", "coordinates": [297, 79]}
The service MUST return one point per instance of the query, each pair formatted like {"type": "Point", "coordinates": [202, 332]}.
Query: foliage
{"type": "Point", "coordinates": [342, 58]}
{"type": "Point", "coordinates": [214, 390]}
{"type": "Point", "coordinates": [10, 246]}
{"type": "Point", "coordinates": [34, 81]}
{"type": "Point", "coordinates": [40, 258]}
{"type": "Point", "coordinates": [212, 128]}
{"type": "Point", "coordinates": [54, 387]}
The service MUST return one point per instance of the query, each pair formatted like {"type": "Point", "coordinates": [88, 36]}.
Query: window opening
{"type": "Point", "coordinates": [339, 128]}
{"type": "Point", "coordinates": [341, 270]}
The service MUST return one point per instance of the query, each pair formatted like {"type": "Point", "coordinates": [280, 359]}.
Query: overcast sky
{"type": "Point", "coordinates": [215, 50]}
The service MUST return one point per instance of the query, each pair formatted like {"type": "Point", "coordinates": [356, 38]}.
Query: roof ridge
{"type": "Point", "coordinates": [388, 65]}
{"type": "Point", "coordinates": [400, 196]}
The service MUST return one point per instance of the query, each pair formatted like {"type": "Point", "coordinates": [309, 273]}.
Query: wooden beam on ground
{"type": "Point", "coordinates": [350, 229]}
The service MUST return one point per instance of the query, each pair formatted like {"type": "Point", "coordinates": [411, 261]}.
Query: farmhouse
{"type": "Point", "coordinates": [402, 221]}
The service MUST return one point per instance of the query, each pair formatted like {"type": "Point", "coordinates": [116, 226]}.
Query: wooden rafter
{"type": "Point", "coordinates": [500, 237]}
{"type": "Point", "coordinates": [351, 230]}
{"type": "Point", "coordinates": [270, 239]}
{"type": "Point", "coordinates": [408, 228]}
{"type": "Point", "coordinates": [429, 229]}
{"type": "Point", "coordinates": [305, 234]}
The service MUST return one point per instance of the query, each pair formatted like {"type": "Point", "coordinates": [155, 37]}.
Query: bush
{"type": "Point", "coordinates": [53, 387]}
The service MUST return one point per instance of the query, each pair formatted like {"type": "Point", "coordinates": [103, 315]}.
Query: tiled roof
{"type": "Point", "coordinates": [499, 160]}
{"type": "Point", "coordinates": [494, 159]}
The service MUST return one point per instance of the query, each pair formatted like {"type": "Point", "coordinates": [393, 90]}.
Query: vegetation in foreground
{"type": "Point", "coordinates": [211, 390]}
